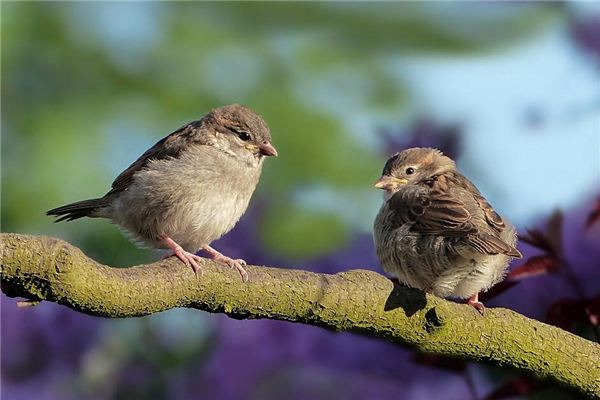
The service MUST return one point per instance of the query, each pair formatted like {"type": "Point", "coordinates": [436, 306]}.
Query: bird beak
{"type": "Point", "coordinates": [389, 182]}
{"type": "Point", "coordinates": [267, 149]}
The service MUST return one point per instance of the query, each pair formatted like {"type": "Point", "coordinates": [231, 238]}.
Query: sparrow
{"type": "Point", "coordinates": [436, 232]}
{"type": "Point", "coordinates": [189, 189]}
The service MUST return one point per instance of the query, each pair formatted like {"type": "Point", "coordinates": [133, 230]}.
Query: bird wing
{"type": "Point", "coordinates": [170, 146]}
{"type": "Point", "coordinates": [492, 217]}
{"type": "Point", "coordinates": [433, 212]}
{"type": "Point", "coordinates": [486, 243]}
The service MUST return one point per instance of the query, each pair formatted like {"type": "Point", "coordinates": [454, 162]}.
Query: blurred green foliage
{"type": "Point", "coordinates": [87, 87]}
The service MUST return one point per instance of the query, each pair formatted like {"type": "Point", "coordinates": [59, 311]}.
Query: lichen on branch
{"type": "Point", "coordinates": [49, 269]}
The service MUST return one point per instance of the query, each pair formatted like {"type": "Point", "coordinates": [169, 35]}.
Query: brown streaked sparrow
{"type": "Point", "coordinates": [436, 232]}
{"type": "Point", "coordinates": [190, 188]}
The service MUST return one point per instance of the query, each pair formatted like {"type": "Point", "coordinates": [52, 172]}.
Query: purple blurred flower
{"type": "Point", "coordinates": [265, 357]}
{"type": "Point", "coordinates": [42, 349]}
{"type": "Point", "coordinates": [586, 34]}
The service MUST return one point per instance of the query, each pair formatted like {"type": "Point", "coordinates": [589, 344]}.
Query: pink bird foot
{"type": "Point", "coordinates": [474, 301]}
{"type": "Point", "coordinates": [230, 262]}
{"type": "Point", "coordinates": [189, 259]}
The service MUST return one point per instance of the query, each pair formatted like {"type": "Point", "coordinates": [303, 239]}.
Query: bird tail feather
{"type": "Point", "coordinates": [79, 209]}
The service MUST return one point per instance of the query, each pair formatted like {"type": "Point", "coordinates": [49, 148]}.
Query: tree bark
{"type": "Point", "coordinates": [45, 268]}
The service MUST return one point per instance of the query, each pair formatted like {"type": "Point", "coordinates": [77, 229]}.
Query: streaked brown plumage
{"type": "Point", "coordinates": [190, 188]}
{"type": "Point", "coordinates": [436, 232]}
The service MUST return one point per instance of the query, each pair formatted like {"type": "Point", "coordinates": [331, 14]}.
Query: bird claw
{"type": "Point", "coordinates": [474, 301]}
{"type": "Point", "coordinates": [189, 259]}
{"type": "Point", "coordinates": [192, 258]}
{"type": "Point", "coordinates": [233, 263]}
{"type": "Point", "coordinates": [236, 263]}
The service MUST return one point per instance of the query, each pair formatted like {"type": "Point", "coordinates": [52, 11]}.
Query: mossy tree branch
{"type": "Point", "coordinates": [44, 268]}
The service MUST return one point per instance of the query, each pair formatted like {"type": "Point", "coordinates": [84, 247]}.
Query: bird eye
{"type": "Point", "coordinates": [245, 136]}
{"type": "Point", "coordinates": [410, 171]}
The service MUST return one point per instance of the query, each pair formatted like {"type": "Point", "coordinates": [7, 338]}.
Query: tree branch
{"type": "Point", "coordinates": [44, 268]}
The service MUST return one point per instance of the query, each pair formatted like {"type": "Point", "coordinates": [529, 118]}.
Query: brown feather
{"type": "Point", "coordinates": [432, 212]}
{"type": "Point", "coordinates": [492, 218]}
{"type": "Point", "coordinates": [489, 244]}
{"type": "Point", "coordinates": [441, 211]}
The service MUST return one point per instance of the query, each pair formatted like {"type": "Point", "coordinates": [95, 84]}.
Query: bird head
{"type": "Point", "coordinates": [241, 132]}
{"type": "Point", "coordinates": [412, 166]}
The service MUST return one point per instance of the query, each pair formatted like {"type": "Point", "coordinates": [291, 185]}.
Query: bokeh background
{"type": "Point", "coordinates": [511, 90]}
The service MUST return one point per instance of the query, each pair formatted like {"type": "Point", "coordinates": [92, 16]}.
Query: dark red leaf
{"type": "Point", "coordinates": [594, 216]}
{"type": "Point", "coordinates": [441, 362]}
{"type": "Point", "coordinates": [536, 265]}
{"type": "Point", "coordinates": [564, 313]}
{"type": "Point", "coordinates": [497, 290]}
{"type": "Point", "coordinates": [554, 232]}
{"type": "Point", "coordinates": [519, 386]}
{"type": "Point", "coordinates": [537, 239]}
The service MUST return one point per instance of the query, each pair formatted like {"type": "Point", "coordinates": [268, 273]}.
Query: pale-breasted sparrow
{"type": "Point", "coordinates": [190, 188]}
{"type": "Point", "coordinates": [436, 232]}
